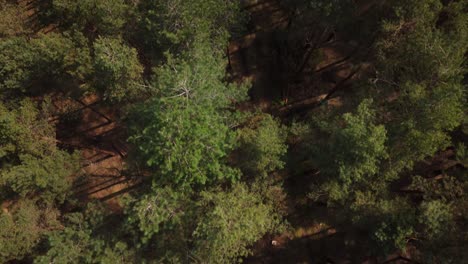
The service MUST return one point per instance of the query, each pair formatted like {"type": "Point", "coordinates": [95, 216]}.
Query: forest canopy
{"type": "Point", "coordinates": [225, 131]}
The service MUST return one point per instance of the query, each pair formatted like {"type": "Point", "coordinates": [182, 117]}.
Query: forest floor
{"type": "Point", "coordinates": [89, 126]}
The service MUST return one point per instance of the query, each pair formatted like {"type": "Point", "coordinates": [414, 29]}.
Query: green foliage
{"type": "Point", "coordinates": [421, 98]}
{"type": "Point", "coordinates": [17, 56]}
{"type": "Point", "coordinates": [434, 34]}
{"type": "Point", "coordinates": [262, 147]}
{"type": "Point", "coordinates": [12, 19]}
{"type": "Point", "coordinates": [214, 226]}
{"type": "Point", "coordinates": [99, 16]}
{"type": "Point", "coordinates": [191, 139]}
{"type": "Point", "coordinates": [440, 226]}
{"type": "Point", "coordinates": [22, 228]}
{"type": "Point", "coordinates": [418, 50]}
{"type": "Point", "coordinates": [420, 59]}
{"type": "Point", "coordinates": [353, 158]}
{"type": "Point", "coordinates": [42, 62]}
{"type": "Point", "coordinates": [118, 71]}
{"type": "Point", "coordinates": [86, 238]}
{"type": "Point", "coordinates": [18, 235]}
{"type": "Point", "coordinates": [68, 246]}
{"type": "Point", "coordinates": [183, 132]}
{"type": "Point", "coordinates": [78, 245]}
{"type": "Point", "coordinates": [175, 24]}
{"type": "Point", "coordinates": [461, 152]}
{"type": "Point", "coordinates": [31, 162]}
{"type": "Point", "coordinates": [233, 221]}
{"type": "Point", "coordinates": [447, 189]}
{"type": "Point", "coordinates": [392, 234]}
{"type": "Point", "coordinates": [162, 209]}
{"type": "Point", "coordinates": [436, 216]}
{"type": "Point", "coordinates": [360, 145]}
{"type": "Point", "coordinates": [445, 113]}
{"type": "Point", "coordinates": [47, 176]}
{"type": "Point", "coordinates": [16, 131]}
{"type": "Point", "coordinates": [390, 222]}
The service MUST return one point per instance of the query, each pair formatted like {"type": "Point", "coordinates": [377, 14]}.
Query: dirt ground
{"type": "Point", "coordinates": [90, 127]}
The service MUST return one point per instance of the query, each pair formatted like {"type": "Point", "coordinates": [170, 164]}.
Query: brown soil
{"type": "Point", "coordinates": [89, 126]}
{"type": "Point", "coordinates": [262, 57]}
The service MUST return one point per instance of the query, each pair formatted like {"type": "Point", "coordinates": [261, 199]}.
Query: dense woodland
{"type": "Point", "coordinates": [268, 131]}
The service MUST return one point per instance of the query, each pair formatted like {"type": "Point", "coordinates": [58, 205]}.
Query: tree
{"type": "Point", "coordinates": [118, 72]}
{"type": "Point", "coordinates": [183, 132]}
{"type": "Point", "coordinates": [419, 91]}
{"type": "Point", "coordinates": [360, 145]}
{"type": "Point", "coordinates": [436, 216]}
{"type": "Point", "coordinates": [233, 221]}
{"type": "Point", "coordinates": [174, 25]}
{"type": "Point", "coordinates": [356, 149]}
{"type": "Point", "coordinates": [262, 146]}
{"type": "Point", "coordinates": [22, 227]}
{"type": "Point", "coordinates": [441, 218]}
{"type": "Point", "coordinates": [29, 66]}
{"type": "Point", "coordinates": [215, 226]}
{"type": "Point", "coordinates": [81, 242]}
{"type": "Point", "coordinates": [162, 209]}
{"type": "Point", "coordinates": [32, 165]}
{"type": "Point", "coordinates": [17, 56]}
{"type": "Point", "coordinates": [12, 19]}
{"type": "Point", "coordinates": [382, 223]}
{"type": "Point", "coordinates": [428, 86]}
{"type": "Point", "coordinates": [90, 16]}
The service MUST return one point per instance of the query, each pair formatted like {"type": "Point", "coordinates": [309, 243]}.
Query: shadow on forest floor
{"type": "Point", "coordinates": [89, 126]}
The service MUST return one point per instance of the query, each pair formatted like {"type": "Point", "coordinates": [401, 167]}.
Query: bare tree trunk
{"type": "Point", "coordinates": [310, 51]}
{"type": "Point", "coordinates": [340, 84]}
